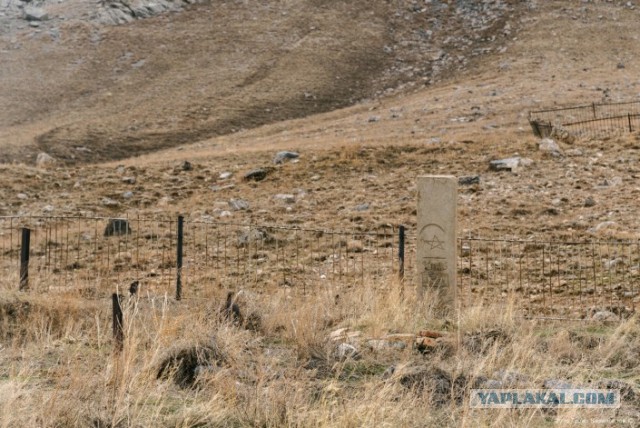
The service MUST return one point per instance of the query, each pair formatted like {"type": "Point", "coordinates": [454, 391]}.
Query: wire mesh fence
{"type": "Point", "coordinates": [591, 120]}
{"type": "Point", "coordinates": [94, 255]}
{"type": "Point", "coordinates": [578, 280]}
{"type": "Point", "coordinates": [97, 256]}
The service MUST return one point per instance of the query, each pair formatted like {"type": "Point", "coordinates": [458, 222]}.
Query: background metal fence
{"type": "Point", "coordinates": [85, 254]}
{"type": "Point", "coordinates": [594, 120]}
{"type": "Point", "coordinates": [95, 257]}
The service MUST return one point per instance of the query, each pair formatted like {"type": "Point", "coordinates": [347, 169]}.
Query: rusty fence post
{"type": "Point", "coordinates": [24, 258]}
{"type": "Point", "coordinates": [179, 258]}
{"type": "Point", "coordinates": [401, 241]}
{"type": "Point", "coordinates": [118, 330]}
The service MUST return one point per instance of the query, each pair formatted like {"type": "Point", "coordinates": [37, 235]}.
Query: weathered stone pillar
{"type": "Point", "coordinates": [436, 247]}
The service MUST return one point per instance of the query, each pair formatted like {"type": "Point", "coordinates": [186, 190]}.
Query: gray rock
{"type": "Point", "coordinates": [186, 166]}
{"type": "Point", "coordinates": [128, 194]}
{"type": "Point", "coordinates": [253, 235]}
{"type": "Point", "coordinates": [362, 207]}
{"type": "Point", "coordinates": [344, 351]}
{"type": "Point", "coordinates": [286, 198]}
{"type": "Point", "coordinates": [129, 180]}
{"type": "Point", "coordinates": [549, 146]}
{"type": "Point", "coordinates": [47, 208]}
{"type": "Point", "coordinates": [284, 156]}
{"type": "Point", "coordinates": [509, 164]}
{"type": "Point", "coordinates": [469, 180]}
{"type": "Point", "coordinates": [219, 188]}
{"type": "Point", "coordinates": [225, 175]}
{"type": "Point", "coordinates": [258, 174]}
{"type": "Point", "coordinates": [589, 202]}
{"type": "Point", "coordinates": [117, 227]}
{"type": "Point", "coordinates": [108, 202]}
{"type": "Point", "coordinates": [373, 119]}
{"type": "Point", "coordinates": [605, 316]}
{"type": "Point", "coordinates": [603, 225]}
{"type": "Point", "coordinates": [239, 204]}
{"type": "Point", "coordinates": [22, 196]}
{"type": "Point", "coordinates": [35, 14]}
{"type": "Point", "coordinates": [43, 159]}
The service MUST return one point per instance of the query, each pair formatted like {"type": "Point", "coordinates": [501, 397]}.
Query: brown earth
{"type": "Point", "coordinates": [368, 153]}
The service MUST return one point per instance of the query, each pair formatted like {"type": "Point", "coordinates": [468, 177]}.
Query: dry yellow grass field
{"type": "Point", "coordinates": [369, 102]}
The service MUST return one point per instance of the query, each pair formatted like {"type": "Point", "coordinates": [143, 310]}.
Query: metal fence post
{"type": "Point", "coordinates": [629, 117]}
{"type": "Point", "coordinates": [179, 258]}
{"type": "Point", "coordinates": [24, 259]}
{"type": "Point", "coordinates": [401, 240]}
{"type": "Point", "coordinates": [118, 331]}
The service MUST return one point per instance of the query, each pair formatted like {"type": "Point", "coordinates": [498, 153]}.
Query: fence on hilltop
{"type": "Point", "coordinates": [194, 259]}
{"type": "Point", "coordinates": [589, 120]}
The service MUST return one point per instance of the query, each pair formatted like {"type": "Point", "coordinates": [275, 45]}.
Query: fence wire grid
{"type": "Point", "coordinates": [591, 120]}
{"type": "Point", "coordinates": [570, 280]}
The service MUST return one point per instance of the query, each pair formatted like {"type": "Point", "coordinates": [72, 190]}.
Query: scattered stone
{"type": "Point", "coordinates": [225, 214]}
{"type": "Point", "coordinates": [225, 175]}
{"type": "Point", "coordinates": [620, 66]}
{"type": "Point", "coordinates": [589, 202]}
{"type": "Point", "coordinates": [603, 225]}
{"type": "Point", "coordinates": [549, 146]}
{"type": "Point", "coordinates": [22, 196]}
{"type": "Point", "coordinates": [258, 174]}
{"type": "Point", "coordinates": [117, 227]}
{"type": "Point", "coordinates": [128, 194]}
{"type": "Point", "coordinates": [469, 180]}
{"type": "Point", "coordinates": [284, 156]}
{"type": "Point", "coordinates": [43, 159]}
{"type": "Point", "coordinates": [605, 316]}
{"type": "Point", "coordinates": [35, 14]}
{"type": "Point", "coordinates": [362, 207]}
{"type": "Point", "coordinates": [373, 119]}
{"type": "Point", "coordinates": [286, 198]}
{"type": "Point", "coordinates": [253, 235]}
{"type": "Point", "coordinates": [186, 166]}
{"type": "Point", "coordinates": [509, 164]}
{"type": "Point", "coordinates": [129, 180]}
{"type": "Point", "coordinates": [47, 208]}
{"type": "Point", "coordinates": [220, 188]}
{"type": "Point", "coordinates": [345, 351]}
{"type": "Point", "coordinates": [239, 204]}
{"type": "Point", "coordinates": [465, 250]}
{"type": "Point", "coordinates": [108, 202]}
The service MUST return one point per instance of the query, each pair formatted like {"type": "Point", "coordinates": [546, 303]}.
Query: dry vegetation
{"type": "Point", "coordinates": [184, 364]}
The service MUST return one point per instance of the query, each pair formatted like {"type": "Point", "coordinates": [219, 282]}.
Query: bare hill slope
{"type": "Point", "coordinates": [83, 90]}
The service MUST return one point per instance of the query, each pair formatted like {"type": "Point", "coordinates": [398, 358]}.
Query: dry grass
{"type": "Point", "coordinates": [62, 370]}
